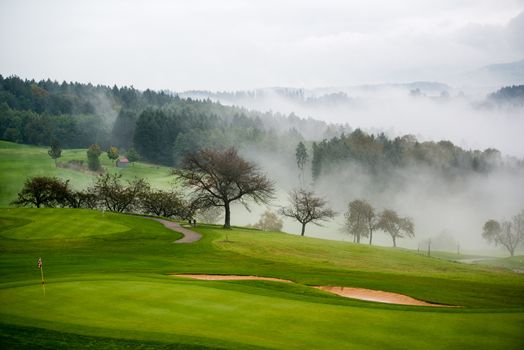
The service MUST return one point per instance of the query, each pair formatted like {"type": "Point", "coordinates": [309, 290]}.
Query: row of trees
{"type": "Point", "coordinates": [110, 193]}
{"type": "Point", "coordinates": [93, 154]}
{"type": "Point", "coordinates": [361, 220]}
{"type": "Point", "coordinates": [380, 153]}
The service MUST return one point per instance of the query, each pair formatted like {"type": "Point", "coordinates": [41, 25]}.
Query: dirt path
{"type": "Point", "coordinates": [347, 292]}
{"type": "Point", "coordinates": [189, 236]}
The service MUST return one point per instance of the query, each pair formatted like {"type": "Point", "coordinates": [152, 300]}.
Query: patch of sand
{"type": "Point", "coordinates": [232, 278]}
{"type": "Point", "coordinates": [377, 295]}
{"type": "Point", "coordinates": [348, 292]}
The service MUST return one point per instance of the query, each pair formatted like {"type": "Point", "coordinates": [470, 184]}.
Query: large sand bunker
{"type": "Point", "coordinates": [377, 295]}
{"type": "Point", "coordinates": [347, 292]}
{"type": "Point", "coordinates": [232, 278]}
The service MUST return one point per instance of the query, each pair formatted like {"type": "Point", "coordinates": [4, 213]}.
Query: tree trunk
{"type": "Point", "coordinates": [370, 237]}
{"type": "Point", "coordinates": [227, 220]}
{"type": "Point", "coordinates": [394, 241]}
{"type": "Point", "coordinates": [303, 229]}
{"type": "Point", "coordinates": [358, 238]}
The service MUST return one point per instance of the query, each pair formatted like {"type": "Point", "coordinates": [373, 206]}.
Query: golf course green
{"type": "Point", "coordinates": [110, 284]}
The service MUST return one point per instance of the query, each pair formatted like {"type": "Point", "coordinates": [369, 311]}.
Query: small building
{"type": "Point", "coordinates": [122, 162]}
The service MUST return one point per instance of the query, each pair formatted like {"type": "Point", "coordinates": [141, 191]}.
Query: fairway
{"type": "Point", "coordinates": [18, 162]}
{"type": "Point", "coordinates": [109, 286]}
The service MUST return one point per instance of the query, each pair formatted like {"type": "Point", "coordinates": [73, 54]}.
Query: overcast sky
{"type": "Point", "coordinates": [226, 45]}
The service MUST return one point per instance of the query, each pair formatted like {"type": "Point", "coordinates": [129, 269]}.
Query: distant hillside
{"type": "Point", "coordinates": [501, 74]}
{"type": "Point", "coordinates": [509, 95]}
{"type": "Point", "coordinates": [314, 97]}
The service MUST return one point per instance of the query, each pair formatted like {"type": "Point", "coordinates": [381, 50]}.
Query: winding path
{"type": "Point", "coordinates": [189, 236]}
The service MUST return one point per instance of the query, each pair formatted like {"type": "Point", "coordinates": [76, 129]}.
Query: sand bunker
{"type": "Point", "coordinates": [377, 295]}
{"type": "Point", "coordinates": [348, 292]}
{"type": "Point", "coordinates": [232, 278]}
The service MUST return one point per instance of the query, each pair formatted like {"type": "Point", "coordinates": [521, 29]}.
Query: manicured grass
{"type": "Point", "coordinates": [160, 308]}
{"type": "Point", "coordinates": [18, 162]}
{"type": "Point", "coordinates": [108, 287]}
{"type": "Point", "coordinates": [511, 263]}
{"type": "Point", "coordinates": [515, 263]}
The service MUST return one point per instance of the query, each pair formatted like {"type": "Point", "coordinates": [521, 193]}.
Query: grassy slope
{"type": "Point", "coordinates": [107, 287]}
{"type": "Point", "coordinates": [17, 162]}
{"type": "Point", "coordinates": [511, 263]}
{"type": "Point", "coordinates": [515, 263]}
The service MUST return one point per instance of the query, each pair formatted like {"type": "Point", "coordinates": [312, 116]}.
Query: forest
{"type": "Point", "coordinates": [163, 128]}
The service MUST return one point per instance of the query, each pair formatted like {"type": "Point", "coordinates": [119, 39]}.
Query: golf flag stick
{"type": "Point", "coordinates": [41, 267]}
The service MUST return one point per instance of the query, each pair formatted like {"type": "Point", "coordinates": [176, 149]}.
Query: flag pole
{"type": "Point", "coordinates": [41, 267]}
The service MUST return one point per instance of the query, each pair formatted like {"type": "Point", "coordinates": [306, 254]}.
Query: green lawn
{"type": "Point", "coordinates": [17, 162]}
{"type": "Point", "coordinates": [512, 263]}
{"type": "Point", "coordinates": [515, 263]}
{"type": "Point", "coordinates": [108, 286]}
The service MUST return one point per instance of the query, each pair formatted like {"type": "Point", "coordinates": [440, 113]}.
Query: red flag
{"type": "Point", "coordinates": [39, 263]}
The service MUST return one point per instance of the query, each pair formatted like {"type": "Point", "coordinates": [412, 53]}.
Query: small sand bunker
{"type": "Point", "coordinates": [232, 278]}
{"type": "Point", "coordinates": [378, 296]}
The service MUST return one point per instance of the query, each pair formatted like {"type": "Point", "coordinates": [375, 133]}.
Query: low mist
{"type": "Point", "coordinates": [443, 209]}
{"type": "Point", "coordinates": [430, 111]}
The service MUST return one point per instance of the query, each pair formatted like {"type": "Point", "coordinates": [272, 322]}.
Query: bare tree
{"type": "Point", "coordinates": [360, 220]}
{"type": "Point", "coordinates": [269, 221]}
{"type": "Point", "coordinates": [397, 227]}
{"type": "Point", "coordinates": [114, 196]}
{"type": "Point", "coordinates": [305, 207]}
{"type": "Point", "coordinates": [508, 233]}
{"type": "Point", "coordinates": [221, 177]}
{"type": "Point", "coordinates": [164, 203]}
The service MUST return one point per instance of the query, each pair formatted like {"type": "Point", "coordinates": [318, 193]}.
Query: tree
{"type": "Point", "coordinates": [44, 191]}
{"type": "Point", "coordinates": [166, 204]}
{"type": "Point", "coordinates": [133, 156]}
{"type": "Point", "coordinates": [360, 220]}
{"type": "Point", "coordinates": [269, 221]}
{"type": "Point", "coordinates": [508, 233]}
{"type": "Point", "coordinates": [301, 156]}
{"type": "Point", "coordinates": [116, 197]}
{"type": "Point", "coordinates": [397, 227]}
{"type": "Point", "coordinates": [112, 153]}
{"type": "Point", "coordinates": [56, 151]}
{"type": "Point", "coordinates": [82, 199]}
{"type": "Point", "coordinates": [370, 219]}
{"type": "Point", "coordinates": [221, 177]}
{"type": "Point", "coordinates": [93, 154]}
{"type": "Point", "coordinates": [210, 215]}
{"type": "Point", "coordinates": [305, 207]}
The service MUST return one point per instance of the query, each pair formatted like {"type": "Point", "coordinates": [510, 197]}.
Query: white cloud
{"type": "Point", "coordinates": [209, 44]}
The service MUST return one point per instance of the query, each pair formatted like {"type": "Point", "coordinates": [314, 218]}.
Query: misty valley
{"type": "Point", "coordinates": [261, 175]}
